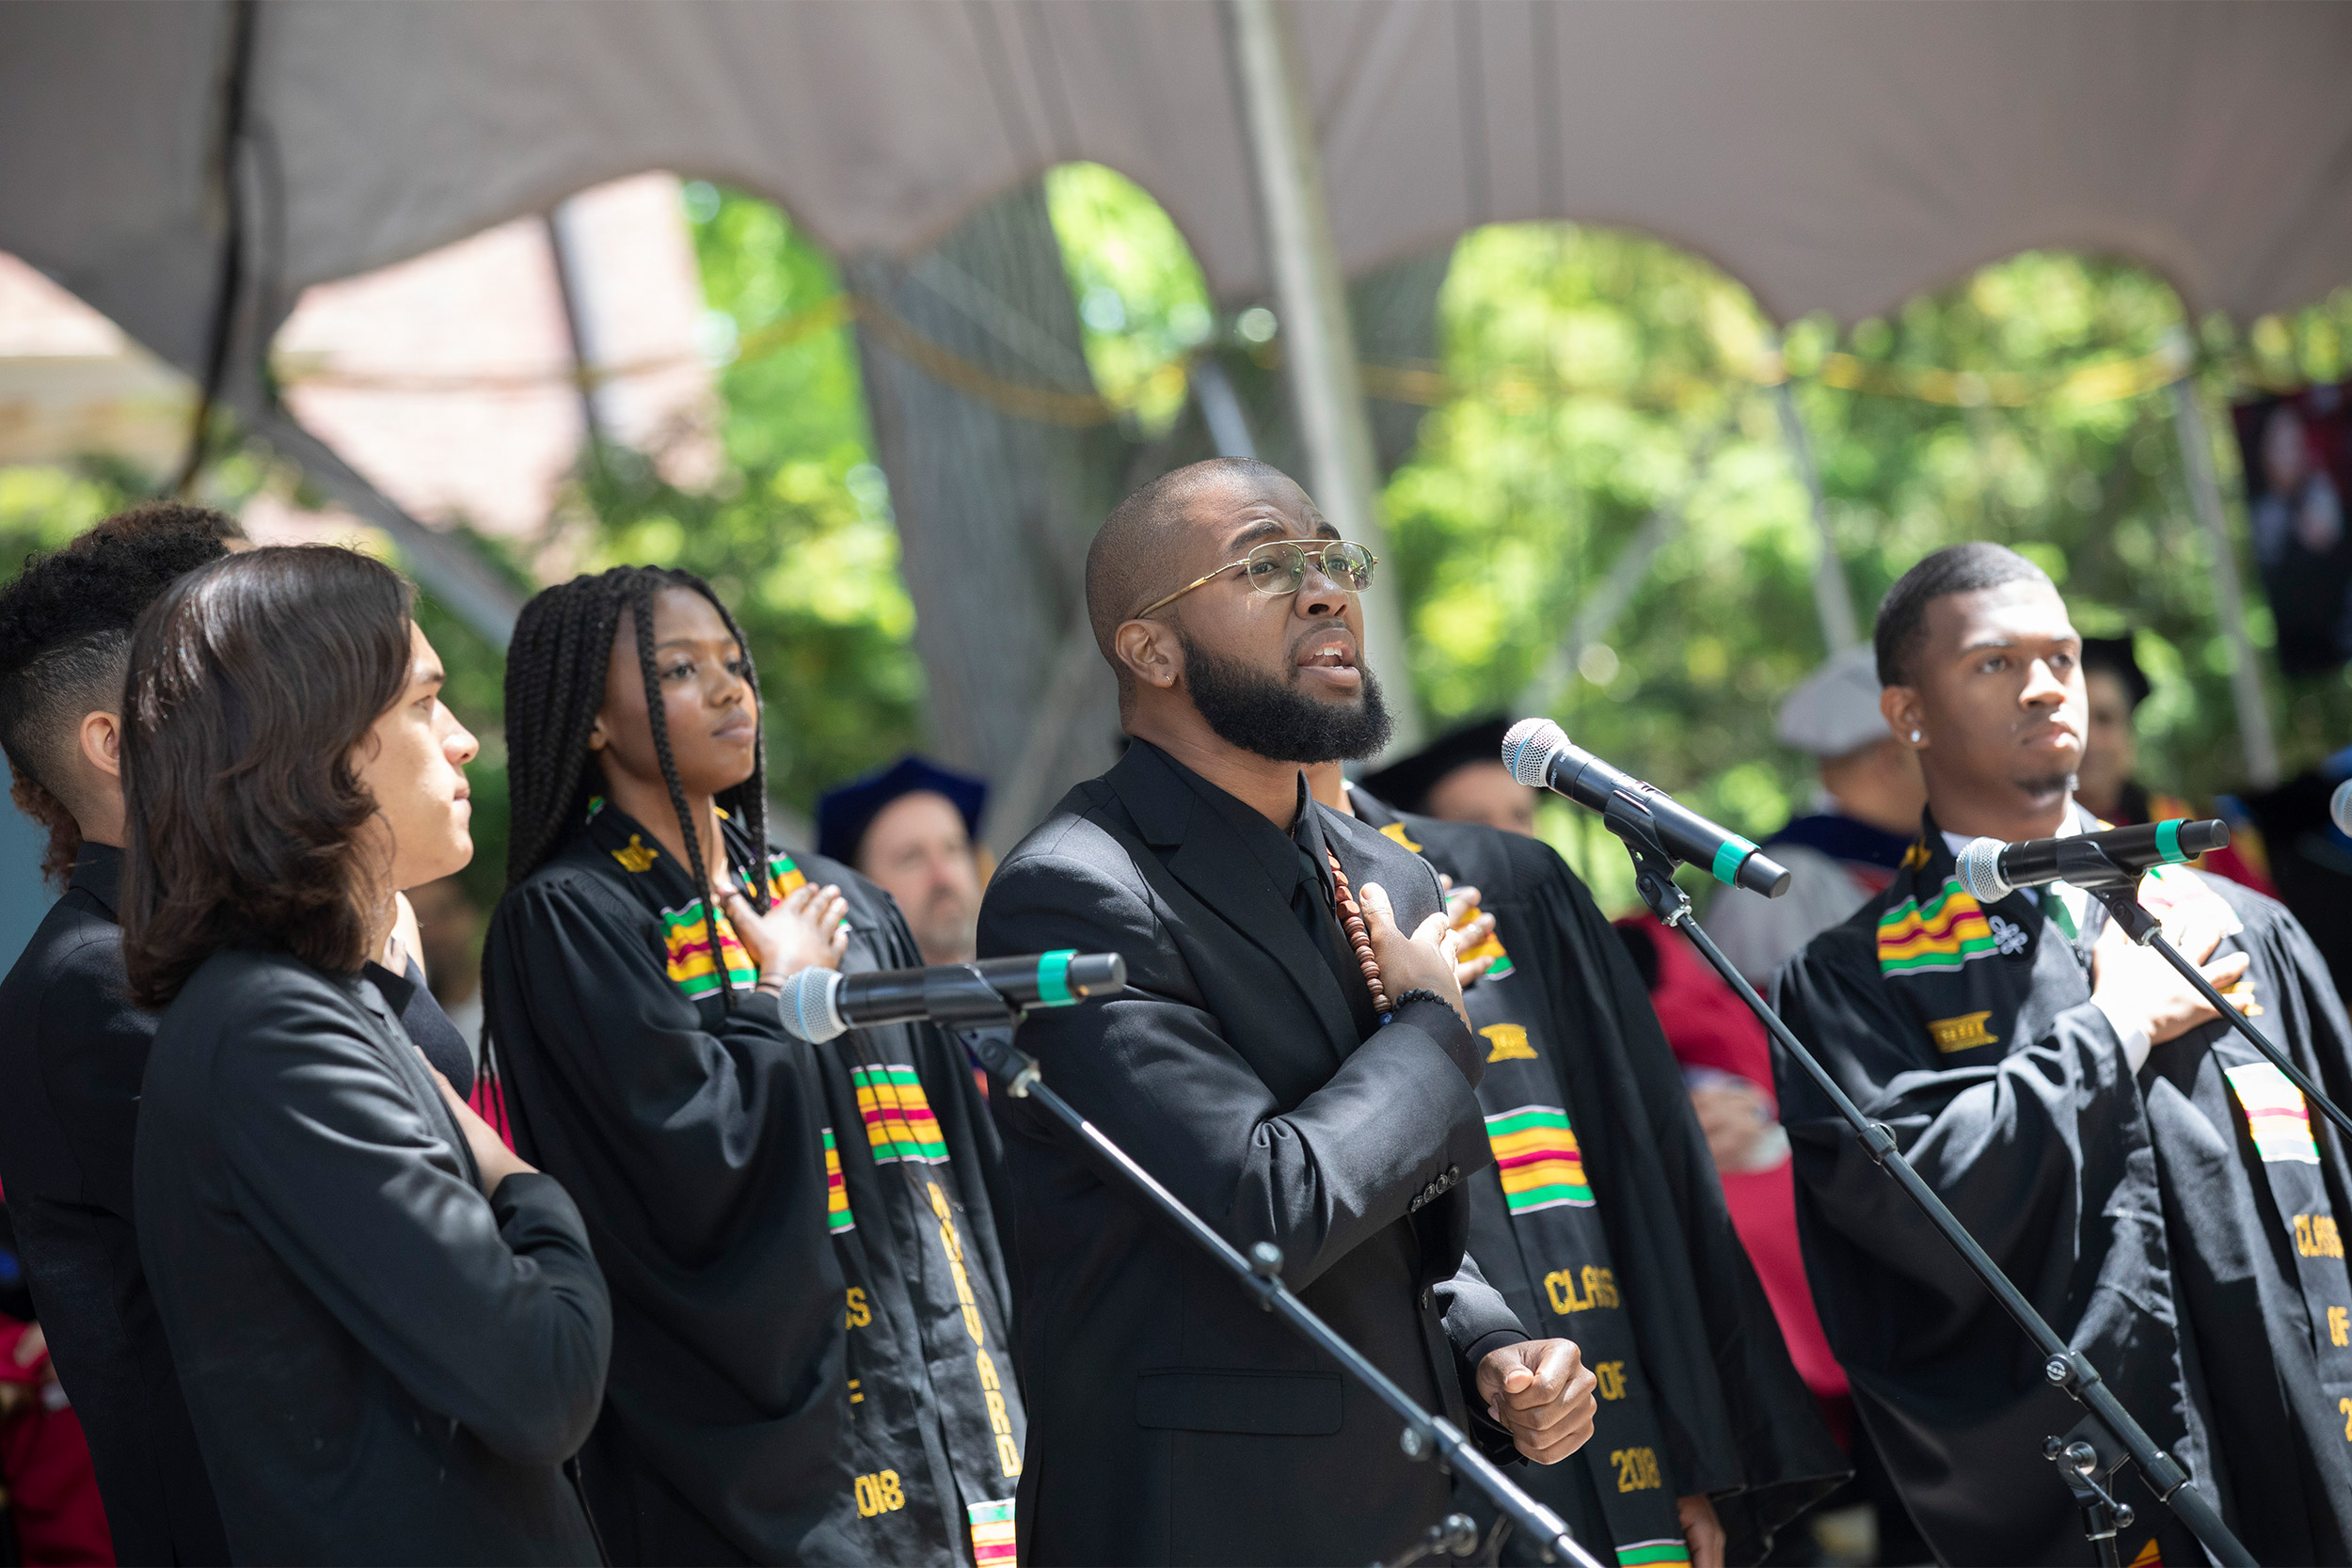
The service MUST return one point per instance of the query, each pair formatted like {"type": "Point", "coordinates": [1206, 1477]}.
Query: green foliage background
{"type": "Point", "coordinates": [1588, 369]}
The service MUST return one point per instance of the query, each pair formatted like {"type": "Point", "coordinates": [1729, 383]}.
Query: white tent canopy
{"type": "Point", "coordinates": [1832, 155]}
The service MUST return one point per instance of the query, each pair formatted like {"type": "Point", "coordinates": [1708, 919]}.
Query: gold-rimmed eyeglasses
{"type": "Point", "coordinates": [1278, 567]}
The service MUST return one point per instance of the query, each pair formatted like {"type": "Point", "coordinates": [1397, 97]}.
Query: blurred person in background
{"type": "Point", "coordinates": [910, 829]}
{"type": "Point", "coordinates": [1848, 843]}
{"type": "Point", "coordinates": [1726, 1064]}
{"type": "Point", "coordinates": [1459, 777]}
{"type": "Point", "coordinates": [74, 1051]}
{"type": "Point", "coordinates": [390, 1331]}
{"type": "Point", "coordinates": [2107, 786]}
{"type": "Point", "coordinates": [49, 1499]}
{"type": "Point", "coordinates": [810, 1361]}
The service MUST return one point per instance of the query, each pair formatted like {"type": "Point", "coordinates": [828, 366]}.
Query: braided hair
{"type": "Point", "coordinates": [555, 684]}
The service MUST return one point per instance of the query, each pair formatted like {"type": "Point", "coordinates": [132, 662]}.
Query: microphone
{"type": "Point", "coordinates": [1540, 755]}
{"type": "Point", "coordinates": [819, 1003]}
{"type": "Point", "coordinates": [2340, 808]}
{"type": "Point", "coordinates": [1991, 870]}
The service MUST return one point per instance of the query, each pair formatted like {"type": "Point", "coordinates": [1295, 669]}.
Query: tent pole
{"type": "Point", "coordinates": [1832, 602]}
{"type": "Point", "coordinates": [1318, 342]}
{"type": "Point", "coordinates": [565, 260]}
{"type": "Point", "coordinates": [450, 572]}
{"type": "Point", "coordinates": [2204, 489]}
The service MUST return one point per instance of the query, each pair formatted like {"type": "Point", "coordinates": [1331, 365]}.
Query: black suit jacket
{"type": "Point", "coordinates": [381, 1366]}
{"type": "Point", "coordinates": [72, 1049]}
{"type": "Point", "coordinates": [71, 1052]}
{"type": "Point", "coordinates": [1171, 1421]}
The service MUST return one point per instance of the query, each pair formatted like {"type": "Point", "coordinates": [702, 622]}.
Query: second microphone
{"type": "Point", "coordinates": [820, 1004]}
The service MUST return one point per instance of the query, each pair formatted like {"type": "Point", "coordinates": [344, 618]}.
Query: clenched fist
{"type": "Point", "coordinates": [1540, 1392]}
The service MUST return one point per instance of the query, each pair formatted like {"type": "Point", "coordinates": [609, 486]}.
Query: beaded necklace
{"type": "Point", "coordinates": [1352, 922]}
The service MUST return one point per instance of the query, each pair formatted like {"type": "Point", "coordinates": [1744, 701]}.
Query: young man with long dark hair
{"type": "Point", "coordinates": [391, 1330]}
{"type": "Point", "coordinates": [810, 1361]}
{"type": "Point", "coordinates": [71, 1058]}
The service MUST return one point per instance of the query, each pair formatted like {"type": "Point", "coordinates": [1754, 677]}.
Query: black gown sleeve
{"type": "Point", "coordinates": [492, 1313]}
{"type": "Point", "coordinates": [1157, 1074]}
{"type": "Point", "coordinates": [677, 1112]}
{"type": "Point", "coordinates": [2004, 1144]}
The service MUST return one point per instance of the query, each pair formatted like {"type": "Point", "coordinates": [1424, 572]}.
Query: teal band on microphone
{"type": "Point", "coordinates": [1052, 978]}
{"type": "Point", "coordinates": [1730, 856]}
{"type": "Point", "coordinates": [2169, 842]}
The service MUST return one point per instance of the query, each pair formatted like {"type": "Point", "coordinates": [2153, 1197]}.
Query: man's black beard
{"type": "Point", "coordinates": [1274, 719]}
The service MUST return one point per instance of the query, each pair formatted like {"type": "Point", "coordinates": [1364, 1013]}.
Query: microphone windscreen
{"type": "Point", "coordinates": [1529, 748]}
{"type": "Point", "coordinates": [809, 1005]}
{"type": "Point", "coordinates": [2198, 838]}
{"type": "Point", "coordinates": [1981, 870]}
{"type": "Point", "coordinates": [1097, 974]}
{"type": "Point", "coordinates": [2339, 807]}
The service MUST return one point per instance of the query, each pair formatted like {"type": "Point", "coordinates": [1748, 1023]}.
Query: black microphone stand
{"type": "Point", "coordinates": [2122, 898]}
{"type": "Point", "coordinates": [2087, 1457]}
{"type": "Point", "coordinates": [975, 1007]}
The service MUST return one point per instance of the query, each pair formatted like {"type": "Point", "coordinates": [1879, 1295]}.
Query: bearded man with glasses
{"type": "Point", "coordinates": [1290, 1058]}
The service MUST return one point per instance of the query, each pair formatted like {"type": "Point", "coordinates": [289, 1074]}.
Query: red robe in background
{"type": "Point", "coordinates": [53, 1491]}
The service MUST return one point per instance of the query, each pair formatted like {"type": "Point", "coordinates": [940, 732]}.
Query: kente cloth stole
{"type": "Point", "coordinates": [964, 1342]}
{"type": "Point", "coordinates": [1968, 974]}
{"type": "Point", "coordinates": [2277, 1124]}
{"type": "Point", "coordinates": [963, 1346]}
{"type": "Point", "coordinates": [1555, 1218]}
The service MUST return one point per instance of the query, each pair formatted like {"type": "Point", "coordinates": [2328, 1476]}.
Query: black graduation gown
{"type": "Point", "coordinates": [1175, 1421]}
{"type": "Point", "coordinates": [1571, 1020]}
{"type": "Point", "coordinates": [72, 1051]}
{"type": "Point", "coordinates": [810, 1356]}
{"type": "Point", "coordinates": [2139, 1214]}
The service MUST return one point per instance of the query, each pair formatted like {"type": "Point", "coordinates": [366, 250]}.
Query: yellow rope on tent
{"type": "Point", "coordinates": [1423, 383]}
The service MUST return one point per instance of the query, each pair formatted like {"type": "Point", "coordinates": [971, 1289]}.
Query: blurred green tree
{"type": "Point", "coordinates": [1589, 377]}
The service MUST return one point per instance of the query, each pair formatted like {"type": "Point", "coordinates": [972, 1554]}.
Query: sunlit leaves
{"type": "Point", "coordinates": [1141, 301]}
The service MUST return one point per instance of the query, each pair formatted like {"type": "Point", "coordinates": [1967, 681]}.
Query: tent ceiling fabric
{"type": "Point", "coordinates": [1832, 155]}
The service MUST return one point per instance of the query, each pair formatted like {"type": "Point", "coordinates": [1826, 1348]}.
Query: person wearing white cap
{"type": "Point", "coordinates": [1848, 847]}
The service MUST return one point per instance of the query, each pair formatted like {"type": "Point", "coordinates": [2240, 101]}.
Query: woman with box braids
{"type": "Point", "coordinates": [555, 689]}
{"type": "Point", "coordinates": [801, 1329]}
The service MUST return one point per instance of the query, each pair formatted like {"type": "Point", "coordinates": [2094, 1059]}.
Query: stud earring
{"type": "Point", "coordinates": [1914, 737]}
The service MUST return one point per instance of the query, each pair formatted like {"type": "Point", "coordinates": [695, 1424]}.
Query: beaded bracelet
{"type": "Point", "coordinates": [1422, 993]}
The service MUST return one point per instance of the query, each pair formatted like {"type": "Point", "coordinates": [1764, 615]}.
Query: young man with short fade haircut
{"type": "Point", "coordinates": [65, 632]}
{"type": "Point", "coordinates": [75, 1050]}
{"type": "Point", "coordinates": [2150, 1182]}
